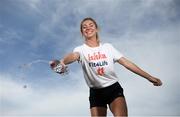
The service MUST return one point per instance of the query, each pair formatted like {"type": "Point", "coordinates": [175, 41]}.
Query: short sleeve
{"type": "Point", "coordinates": [115, 53]}
{"type": "Point", "coordinates": [78, 49]}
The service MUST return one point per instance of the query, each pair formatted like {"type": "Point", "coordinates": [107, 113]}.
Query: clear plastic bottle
{"type": "Point", "coordinates": [57, 67]}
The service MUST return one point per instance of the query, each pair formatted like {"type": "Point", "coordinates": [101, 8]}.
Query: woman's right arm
{"type": "Point", "coordinates": [69, 58]}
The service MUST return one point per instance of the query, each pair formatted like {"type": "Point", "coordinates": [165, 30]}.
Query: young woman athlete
{"type": "Point", "coordinates": [97, 61]}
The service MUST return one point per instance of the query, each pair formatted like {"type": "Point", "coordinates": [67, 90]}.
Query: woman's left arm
{"type": "Point", "coordinates": [134, 68]}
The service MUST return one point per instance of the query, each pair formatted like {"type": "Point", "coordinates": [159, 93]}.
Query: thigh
{"type": "Point", "coordinates": [98, 111]}
{"type": "Point", "coordinates": [118, 107]}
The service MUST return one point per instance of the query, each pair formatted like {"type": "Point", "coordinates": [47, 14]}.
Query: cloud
{"type": "Point", "coordinates": [10, 37]}
{"type": "Point", "coordinates": [33, 101]}
{"type": "Point", "coordinates": [147, 32]}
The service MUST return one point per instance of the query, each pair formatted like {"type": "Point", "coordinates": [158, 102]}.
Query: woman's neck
{"type": "Point", "coordinates": [93, 42]}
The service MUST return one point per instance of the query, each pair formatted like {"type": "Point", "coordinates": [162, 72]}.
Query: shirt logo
{"type": "Point", "coordinates": [96, 56]}
{"type": "Point", "coordinates": [97, 60]}
{"type": "Point", "coordinates": [100, 71]}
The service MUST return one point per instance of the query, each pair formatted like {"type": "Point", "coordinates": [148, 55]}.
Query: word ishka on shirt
{"type": "Point", "coordinates": [97, 56]}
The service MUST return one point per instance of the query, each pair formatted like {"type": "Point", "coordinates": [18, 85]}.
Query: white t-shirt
{"type": "Point", "coordinates": [98, 64]}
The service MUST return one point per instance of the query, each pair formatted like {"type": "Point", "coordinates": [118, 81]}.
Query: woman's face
{"type": "Point", "coordinates": [89, 29]}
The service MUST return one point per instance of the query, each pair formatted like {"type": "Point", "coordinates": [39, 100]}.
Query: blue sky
{"type": "Point", "coordinates": [145, 31]}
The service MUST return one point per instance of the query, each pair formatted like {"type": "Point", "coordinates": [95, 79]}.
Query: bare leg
{"type": "Point", "coordinates": [118, 107]}
{"type": "Point", "coordinates": [98, 111]}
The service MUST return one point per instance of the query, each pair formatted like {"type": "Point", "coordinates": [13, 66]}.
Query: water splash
{"type": "Point", "coordinates": [24, 68]}
{"type": "Point", "coordinates": [57, 69]}
{"type": "Point", "coordinates": [28, 65]}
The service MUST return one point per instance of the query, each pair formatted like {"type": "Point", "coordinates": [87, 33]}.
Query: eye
{"type": "Point", "coordinates": [91, 25]}
{"type": "Point", "coordinates": [84, 27]}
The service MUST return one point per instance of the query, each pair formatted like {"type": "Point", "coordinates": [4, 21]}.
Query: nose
{"type": "Point", "coordinates": [87, 29]}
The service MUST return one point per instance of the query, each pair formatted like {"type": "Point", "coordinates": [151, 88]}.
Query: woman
{"type": "Point", "coordinates": [97, 61]}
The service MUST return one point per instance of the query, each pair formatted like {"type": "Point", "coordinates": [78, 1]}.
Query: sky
{"type": "Point", "coordinates": [147, 32]}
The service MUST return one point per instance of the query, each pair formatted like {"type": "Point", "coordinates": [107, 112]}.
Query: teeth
{"type": "Point", "coordinates": [89, 32]}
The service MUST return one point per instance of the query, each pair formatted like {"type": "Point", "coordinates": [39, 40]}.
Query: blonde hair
{"type": "Point", "coordinates": [89, 18]}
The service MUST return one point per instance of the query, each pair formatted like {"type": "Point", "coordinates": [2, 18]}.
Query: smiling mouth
{"type": "Point", "coordinates": [89, 32]}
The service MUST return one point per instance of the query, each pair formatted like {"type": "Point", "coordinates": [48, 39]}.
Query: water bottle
{"type": "Point", "coordinates": [57, 67]}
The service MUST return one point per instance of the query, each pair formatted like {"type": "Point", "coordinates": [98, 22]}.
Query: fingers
{"type": "Point", "coordinates": [63, 67]}
{"type": "Point", "coordinates": [58, 66]}
{"type": "Point", "coordinates": [53, 63]}
{"type": "Point", "coordinates": [157, 82]}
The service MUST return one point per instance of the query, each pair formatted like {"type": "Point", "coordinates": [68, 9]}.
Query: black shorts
{"type": "Point", "coordinates": [102, 97]}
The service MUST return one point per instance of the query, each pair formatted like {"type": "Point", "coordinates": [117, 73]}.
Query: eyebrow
{"type": "Point", "coordinates": [86, 25]}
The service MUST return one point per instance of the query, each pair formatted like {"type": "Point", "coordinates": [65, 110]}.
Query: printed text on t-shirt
{"type": "Point", "coordinates": [96, 56]}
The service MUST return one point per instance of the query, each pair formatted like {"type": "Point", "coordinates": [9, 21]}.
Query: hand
{"type": "Point", "coordinates": [58, 66]}
{"type": "Point", "coordinates": [53, 63]}
{"type": "Point", "coordinates": [155, 81]}
{"type": "Point", "coordinates": [63, 67]}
